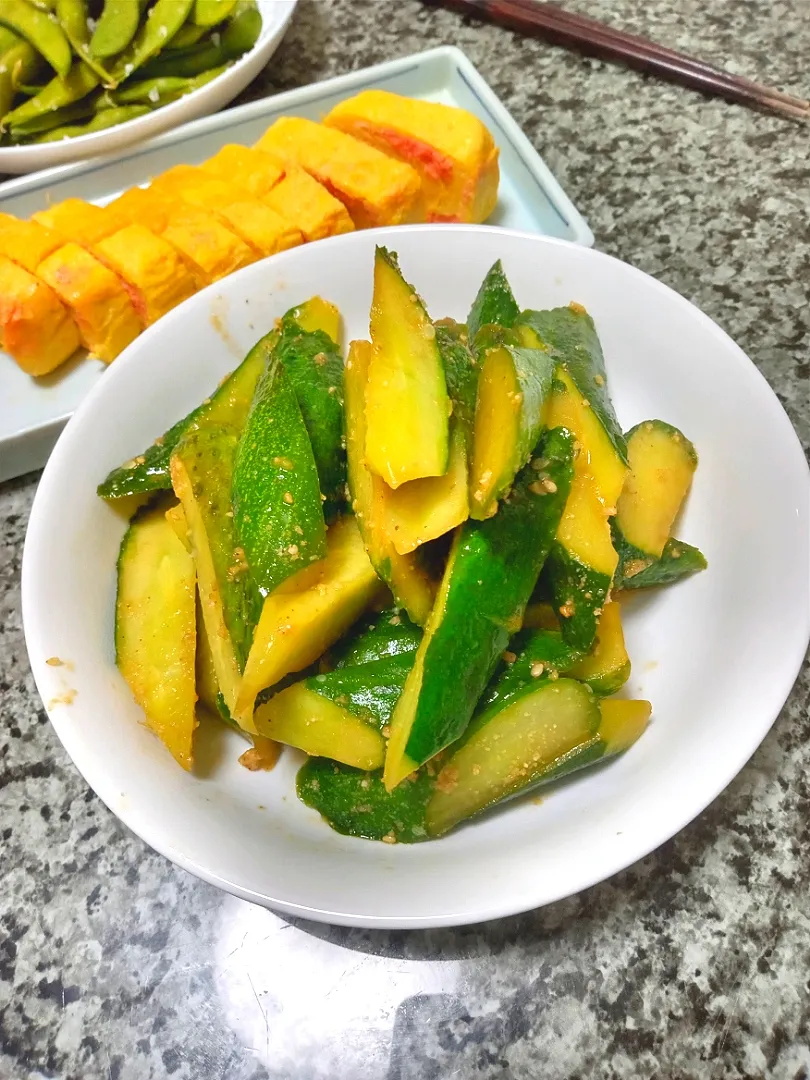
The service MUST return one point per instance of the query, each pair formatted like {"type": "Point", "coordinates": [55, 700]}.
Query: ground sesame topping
{"type": "Point", "coordinates": [568, 609]}
{"type": "Point", "coordinates": [537, 669]}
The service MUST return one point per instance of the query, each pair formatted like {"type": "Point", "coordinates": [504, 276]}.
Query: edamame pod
{"type": "Point", "coordinates": [47, 36]}
{"type": "Point", "coordinates": [162, 23]}
{"type": "Point", "coordinates": [238, 37]}
{"type": "Point", "coordinates": [58, 93]}
{"type": "Point", "coordinates": [115, 28]}
{"type": "Point", "coordinates": [161, 90]}
{"type": "Point", "coordinates": [8, 39]}
{"type": "Point", "coordinates": [72, 16]}
{"type": "Point", "coordinates": [17, 64]}
{"type": "Point", "coordinates": [211, 12]}
{"type": "Point", "coordinates": [187, 36]}
{"type": "Point", "coordinates": [105, 119]}
{"type": "Point", "coordinates": [38, 125]}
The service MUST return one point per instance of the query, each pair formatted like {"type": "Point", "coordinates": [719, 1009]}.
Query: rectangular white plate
{"type": "Point", "coordinates": [34, 411]}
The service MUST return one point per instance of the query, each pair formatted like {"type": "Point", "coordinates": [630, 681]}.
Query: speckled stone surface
{"type": "Point", "coordinates": [694, 963]}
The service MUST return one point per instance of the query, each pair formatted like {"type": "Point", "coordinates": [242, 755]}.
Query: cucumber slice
{"type": "Point", "coordinates": [423, 510]}
{"type": "Point", "coordinates": [597, 457]}
{"type": "Point", "coordinates": [461, 373]}
{"type": "Point", "coordinates": [406, 397]}
{"type": "Point", "coordinates": [149, 471]}
{"type": "Point", "coordinates": [307, 613]}
{"type": "Point", "coordinates": [356, 803]}
{"type": "Point", "coordinates": [276, 497]}
{"type": "Point", "coordinates": [402, 573]}
{"type": "Point", "coordinates": [494, 303]}
{"type": "Point", "coordinates": [390, 633]}
{"type": "Point", "coordinates": [321, 728]}
{"type": "Point", "coordinates": [606, 668]}
{"type": "Point", "coordinates": [571, 333]}
{"type": "Point", "coordinates": [581, 563]}
{"type": "Point", "coordinates": [639, 571]}
{"type": "Point", "coordinates": [662, 464]}
{"type": "Point", "coordinates": [308, 348]}
{"type": "Point", "coordinates": [548, 732]}
{"type": "Point", "coordinates": [155, 629]}
{"type": "Point", "coordinates": [202, 474]}
{"type": "Point", "coordinates": [553, 730]}
{"type": "Point", "coordinates": [513, 389]}
{"type": "Point", "coordinates": [489, 578]}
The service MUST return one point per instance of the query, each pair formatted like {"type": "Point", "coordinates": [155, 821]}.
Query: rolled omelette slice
{"type": "Point", "coordinates": [27, 243]}
{"type": "Point", "coordinates": [309, 206]}
{"type": "Point", "coordinates": [102, 308]}
{"type": "Point", "coordinates": [375, 189]}
{"type": "Point", "coordinates": [35, 326]}
{"type": "Point", "coordinates": [258, 172]}
{"type": "Point", "coordinates": [82, 222]}
{"type": "Point", "coordinates": [261, 227]}
{"type": "Point", "coordinates": [209, 250]}
{"type": "Point", "coordinates": [451, 150]}
{"type": "Point", "coordinates": [157, 277]}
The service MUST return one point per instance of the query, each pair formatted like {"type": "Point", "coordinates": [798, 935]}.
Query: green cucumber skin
{"type": "Point", "coordinates": [665, 570]}
{"type": "Point", "coordinates": [461, 372]}
{"type": "Point", "coordinates": [494, 303]}
{"type": "Point", "coordinates": [275, 464]}
{"type": "Point", "coordinates": [378, 638]}
{"type": "Point", "coordinates": [319, 389]}
{"type": "Point", "coordinates": [208, 448]}
{"type": "Point", "coordinates": [547, 647]}
{"type": "Point", "coordinates": [152, 473]}
{"type": "Point", "coordinates": [571, 580]}
{"type": "Point", "coordinates": [572, 335]}
{"type": "Point", "coordinates": [370, 690]}
{"type": "Point", "coordinates": [356, 803]}
{"type": "Point", "coordinates": [208, 454]}
{"type": "Point", "coordinates": [493, 572]}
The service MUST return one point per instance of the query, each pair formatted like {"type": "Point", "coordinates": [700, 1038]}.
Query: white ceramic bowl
{"type": "Point", "coordinates": [276, 15]}
{"type": "Point", "coordinates": [717, 654]}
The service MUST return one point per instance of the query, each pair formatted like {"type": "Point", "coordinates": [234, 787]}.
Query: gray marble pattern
{"type": "Point", "coordinates": [693, 963]}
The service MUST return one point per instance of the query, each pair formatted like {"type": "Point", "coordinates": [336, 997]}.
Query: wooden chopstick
{"type": "Point", "coordinates": [589, 35]}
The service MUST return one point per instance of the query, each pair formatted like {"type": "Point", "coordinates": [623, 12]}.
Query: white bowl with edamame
{"type": "Point", "coordinates": [206, 99]}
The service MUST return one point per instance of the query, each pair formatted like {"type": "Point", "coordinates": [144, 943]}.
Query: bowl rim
{"type": "Point", "coordinates": [75, 746]}
{"type": "Point", "coordinates": [86, 145]}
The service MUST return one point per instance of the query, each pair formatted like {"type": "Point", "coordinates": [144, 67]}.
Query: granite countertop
{"type": "Point", "coordinates": [693, 963]}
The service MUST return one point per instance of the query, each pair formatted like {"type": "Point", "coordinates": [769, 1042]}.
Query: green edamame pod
{"type": "Point", "coordinates": [105, 119]}
{"type": "Point", "coordinates": [72, 16]}
{"type": "Point", "coordinates": [211, 12]}
{"type": "Point", "coordinates": [38, 125]}
{"type": "Point", "coordinates": [162, 90]}
{"type": "Point", "coordinates": [47, 37]}
{"type": "Point", "coordinates": [18, 64]}
{"type": "Point", "coordinates": [58, 93]}
{"type": "Point", "coordinates": [237, 38]}
{"type": "Point", "coordinates": [115, 29]}
{"type": "Point", "coordinates": [186, 36]}
{"type": "Point", "coordinates": [8, 39]}
{"type": "Point", "coordinates": [242, 31]}
{"type": "Point", "coordinates": [162, 23]}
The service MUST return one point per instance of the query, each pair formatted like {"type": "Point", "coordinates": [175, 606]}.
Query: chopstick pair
{"type": "Point", "coordinates": [589, 35]}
